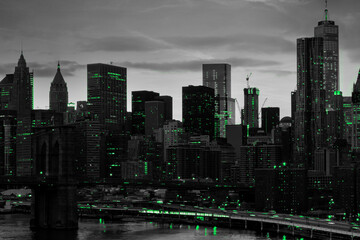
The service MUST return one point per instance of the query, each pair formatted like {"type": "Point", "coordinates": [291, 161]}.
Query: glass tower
{"type": "Point", "coordinates": [218, 77]}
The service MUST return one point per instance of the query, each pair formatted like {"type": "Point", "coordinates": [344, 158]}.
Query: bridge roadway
{"type": "Point", "coordinates": [294, 221]}
{"type": "Point", "coordinates": [186, 185]}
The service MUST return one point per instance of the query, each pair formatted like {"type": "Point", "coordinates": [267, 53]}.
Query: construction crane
{"type": "Point", "coordinates": [247, 80]}
{"type": "Point", "coordinates": [262, 106]}
{"type": "Point", "coordinates": [264, 102]}
{"type": "Point", "coordinates": [238, 106]}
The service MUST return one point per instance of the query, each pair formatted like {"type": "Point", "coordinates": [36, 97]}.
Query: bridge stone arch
{"type": "Point", "coordinates": [54, 196]}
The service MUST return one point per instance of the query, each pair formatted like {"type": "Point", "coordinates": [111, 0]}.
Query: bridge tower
{"type": "Point", "coordinates": [54, 194]}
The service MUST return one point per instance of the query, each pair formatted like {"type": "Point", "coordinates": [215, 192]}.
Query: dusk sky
{"type": "Point", "coordinates": [163, 43]}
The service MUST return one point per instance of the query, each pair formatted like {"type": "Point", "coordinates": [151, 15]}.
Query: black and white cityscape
{"type": "Point", "coordinates": [183, 119]}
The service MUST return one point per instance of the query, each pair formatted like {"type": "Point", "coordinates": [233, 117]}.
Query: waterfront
{"type": "Point", "coordinates": [16, 226]}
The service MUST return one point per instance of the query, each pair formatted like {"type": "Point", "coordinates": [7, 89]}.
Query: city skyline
{"type": "Point", "coordinates": [246, 50]}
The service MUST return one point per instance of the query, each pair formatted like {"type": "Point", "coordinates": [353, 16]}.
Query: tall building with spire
{"type": "Point", "coordinates": [58, 96]}
{"type": "Point", "coordinates": [329, 32]}
{"type": "Point", "coordinates": [22, 102]}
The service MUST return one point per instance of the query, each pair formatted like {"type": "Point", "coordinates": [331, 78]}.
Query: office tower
{"type": "Point", "coordinates": [168, 104]}
{"type": "Point", "coordinates": [289, 195]}
{"type": "Point", "coordinates": [107, 107]}
{"type": "Point", "coordinates": [348, 110]}
{"type": "Point", "coordinates": [138, 109]}
{"type": "Point", "coordinates": [58, 93]}
{"type": "Point", "coordinates": [310, 101]}
{"type": "Point", "coordinates": [107, 95]}
{"type": "Point", "coordinates": [251, 107]}
{"type": "Point", "coordinates": [329, 32]}
{"type": "Point", "coordinates": [154, 116]}
{"type": "Point", "coordinates": [7, 142]}
{"type": "Point", "coordinates": [356, 119]}
{"type": "Point", "coordinates": [270, 118]}
{"type": "Point", "coordinates": [90, 150]}
{"type": "Point", "coordinates": [218, 77]}
{"type": "Point", "coordinates": [23, 104]}
{"type": "Point", "coordinates": [335, 119]}
{"type": "Point", "coordinates": [17, 97]}
{"type": "Point", "coordinates": [198, 110]}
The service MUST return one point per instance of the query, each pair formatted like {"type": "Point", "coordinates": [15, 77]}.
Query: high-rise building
{"type": "Point", "coordinates": [270, 118]}
{"type": "Point", "coordinates": [310, 102]}
{"type": "Point", "coordinates": [107, 107]}
{"type": "Point", "coordinates": [251, 107]}
{"type": "Point", "coordinates": [168, 104]}
{"type": "Point", "coordinates": [356, 115]}
{"type": "Point", "coordinates": [198, 110]}
{"type": "Point", "coordinates": [138, 109]}
{"type": "Point", "coordinates": [58, 93]}
{"type": "Point", "coordinates": [348, 110]}
{"type": "Point", "coordinates": [218, 77]}
{"type": "Point", "coordinates": [7, 142]}
{"type": "Point", "coordinates": [23, 104]}
{"type": "Point", "coordinates": [107, 95]}
{"type": "Point", "coordinates": [329, 32]}
{"type": "Point", "coordinates": [154, 116]}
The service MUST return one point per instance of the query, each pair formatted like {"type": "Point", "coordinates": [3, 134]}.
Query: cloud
{"type": "Point", "coordinates": [280, 73]}
{"type": "Point", "coordinates": [195, 65]}
{"type": "Point", "coordinates": [123, 44]}
{"type": "Point", "coordinates": [68, 68]}
{"type": "Point", "coordinates": [244, 42]}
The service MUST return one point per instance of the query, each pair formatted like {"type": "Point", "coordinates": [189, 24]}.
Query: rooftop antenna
{"type": "Point", "coordinates": [247, 80]}
{"type": "Point", "coordinates": [21, 47]}
{"type": "Point", "coordinates": [326, 10]}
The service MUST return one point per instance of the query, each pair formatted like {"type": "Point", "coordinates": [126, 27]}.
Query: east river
{"type": "Point", "coordinates": [16, 226]}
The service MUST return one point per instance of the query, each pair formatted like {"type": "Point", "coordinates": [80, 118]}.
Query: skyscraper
{"type": "Point", "coordinates": [138, 109]}
{"type": "Point", "coordinates": [310, 101]}
{"type": "Point", "coordinates": [218, 77]}
{"type": "Point", "coordinates": [107, 95]}
{"type": "Point", "coordinates": [58, 93]}
{"type": "Point", "coordinates": [270, 118]}
{"type": "Point", "coordinates": [107, 109]}
{"type": "Point", "coordinates": [155, 114]}
{"type": "Point", "coordinates": [23, 104]}
{"type": "Point", "coordinates": [356, 116]}
{"type": "Point", "coordinates": [251, 107]}
{"type": "Point", "coordinates": [198, 110]}
{"type": "Point", "coordinates": [329, 32]}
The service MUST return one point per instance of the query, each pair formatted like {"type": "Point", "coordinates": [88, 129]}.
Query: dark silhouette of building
{"type": "Point", "coordinates": [356, 115]}
{"type": "Point", "coordinates": [270, 118]}
{"type": "Point", "coordinates": [154, 116]}
{"type": "Point", "coordinates": [22, 102]}
{"type": "Point", "coordinates": [251, 107]}
{"type": "Point", "coordinates": [218, 77]}
{"type": "Point", "coordinates": [8, 125]}
{"type": "Point", "coordinates": [168, 103]}
{"type": "Point", "coordinates": [281, 189]}
{"type": "Point", "coordinates": [58, 95]}
{"type": "Point", "coordinates": [198, 110]}
{"type": "Point", "coordinates": [107, 95]}
{"type": "Point", "coordinates": [138, 109]}
{"type": "Point", "coordinates": [310, 102]}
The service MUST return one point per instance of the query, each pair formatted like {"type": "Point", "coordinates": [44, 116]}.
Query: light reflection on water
{"type": "Point", "coordinates": [16, 226]}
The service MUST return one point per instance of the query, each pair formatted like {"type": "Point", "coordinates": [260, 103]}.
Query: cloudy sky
{"type": "Point", "coordinates": [164, 43]}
